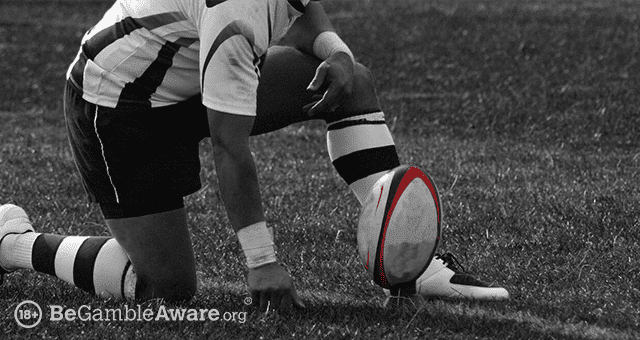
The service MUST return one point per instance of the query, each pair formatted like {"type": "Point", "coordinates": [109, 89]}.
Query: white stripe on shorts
{"type": "Point", "coordinates": [95, 127]}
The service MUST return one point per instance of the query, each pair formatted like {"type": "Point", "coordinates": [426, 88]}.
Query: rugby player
{"type": "Point", "coordinates": [154, 78]}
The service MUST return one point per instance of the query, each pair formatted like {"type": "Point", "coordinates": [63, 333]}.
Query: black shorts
{"type": "Point", "coordinates": [150, 156]}
{"type": "Point", "coordinates": [144, 156]}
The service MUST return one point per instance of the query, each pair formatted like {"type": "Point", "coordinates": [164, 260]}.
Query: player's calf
{"type": "Point", "coordinates": [159, 247]}
{"type": "Point", "coordinates": [97, 265]}
{"type": "Point", "coordinates": [360, 144]}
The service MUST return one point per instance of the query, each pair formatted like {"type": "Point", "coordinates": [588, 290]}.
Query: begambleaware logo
{"type": "Point", "coordinates": [29, 314]}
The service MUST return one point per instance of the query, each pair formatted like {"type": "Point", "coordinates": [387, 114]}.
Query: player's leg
{"type": "Point", "coordinates": [164, 264]}
{"type": "Point", "coordinates": [138, 166]}
{"type": "Point", "coordinates": [160, 249]}
{"type": "Point", "coordinates": [97, 265]}
{"type": "Point", "coordinates": [358, 139]}
{"type": "Point", "coordinates": [360, 147]}
{"type": "Point", "coordinates": [151, 255]}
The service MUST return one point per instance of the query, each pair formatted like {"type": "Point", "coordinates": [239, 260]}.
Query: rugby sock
{"type": "Point", "coordinates": [97, 265]}
{"type": "Point", "coordinates": [361, 149]}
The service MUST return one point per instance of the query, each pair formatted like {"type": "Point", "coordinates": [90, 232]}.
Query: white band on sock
{"type": "Point", "coordinates": [109, 266]}
{"type": "Point", "coordinates": [66, 256]}
{"type": "Point", "coordinates": [327, 43]}
{"type": "Point", "coordinates": [257, 244]}
{"type": "Point", "coordinates": [355, 138]}
{"type": "Point", "coordinates": [354, 135]}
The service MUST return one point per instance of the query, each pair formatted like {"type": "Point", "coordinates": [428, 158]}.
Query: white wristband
{"type": "Point", "coordinates": [327, 43]}
{"type": "Point", "coordinates": [257, 244]}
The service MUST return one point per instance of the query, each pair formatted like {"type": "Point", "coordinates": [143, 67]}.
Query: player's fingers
{"type": "Point", "coordinates": [275, 299]}
{"type": "Point", "coordinates": [317, 97]}
{"type": "Point", "coordinates": [285, 303]}
{"type": "Point", "coordinates": [319, 107]}
{"type": "Point", "coordinates": [297, 301]}
{"type": "Point", "coordinates": [264, 301]}
{"type": "Point", "coordinates": [308, 107]}
{"type": "Point", "coordinates": [327, 103]}
{"type": "Point", "coordinates": [255, 299]}
{"type": "Point", "coordinates": [318, 79]}
{"type": "Point", "coordinates": [314, 100]}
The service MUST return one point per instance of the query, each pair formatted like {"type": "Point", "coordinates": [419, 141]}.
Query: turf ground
{"type": "Point", "coordinates": [526, 113]}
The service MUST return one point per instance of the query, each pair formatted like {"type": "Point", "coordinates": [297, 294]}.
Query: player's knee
{"type": "Point", "coordinates": [363, 74]}
{"type": "Point", "coordinates": [364, 83]}
{"type": "Point", "coordinates": [170, 286]}
{"type": "Point", "coordinates": [363, 98]}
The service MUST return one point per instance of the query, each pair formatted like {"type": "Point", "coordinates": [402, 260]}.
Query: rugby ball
{"type": "Point", "coordinates": [399, 226]}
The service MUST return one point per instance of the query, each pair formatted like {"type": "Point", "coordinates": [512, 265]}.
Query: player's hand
{"type": "Point", "coordinates": [271, 287]}
{"type": "Point", "coordinates": [337, 72]}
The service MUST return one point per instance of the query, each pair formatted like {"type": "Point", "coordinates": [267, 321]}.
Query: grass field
{"type": "Point", "coordinates": [526, 113]}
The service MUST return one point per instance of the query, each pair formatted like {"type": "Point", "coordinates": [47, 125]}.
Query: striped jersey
{"type": "Point", "coordinates": [152, 53]}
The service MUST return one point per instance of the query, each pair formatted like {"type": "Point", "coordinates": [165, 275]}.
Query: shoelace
{"type": "Point", "coordinates": [451, 262]}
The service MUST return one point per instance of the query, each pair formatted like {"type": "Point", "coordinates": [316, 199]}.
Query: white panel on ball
{"type": "Point", "coordinates": [399, 226]}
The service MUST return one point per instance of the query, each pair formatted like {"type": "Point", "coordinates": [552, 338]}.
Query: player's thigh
{"type": "Point", "coordinates": [160, 249]}
{"type": "Point", "coordinates": [138, 164]}
{"type": "Point", "coordinates": [284, 77]}
{"type": "Point", "coordinates": [283, 93]}
{"type": "Point", "coordinates": [363, 99]}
